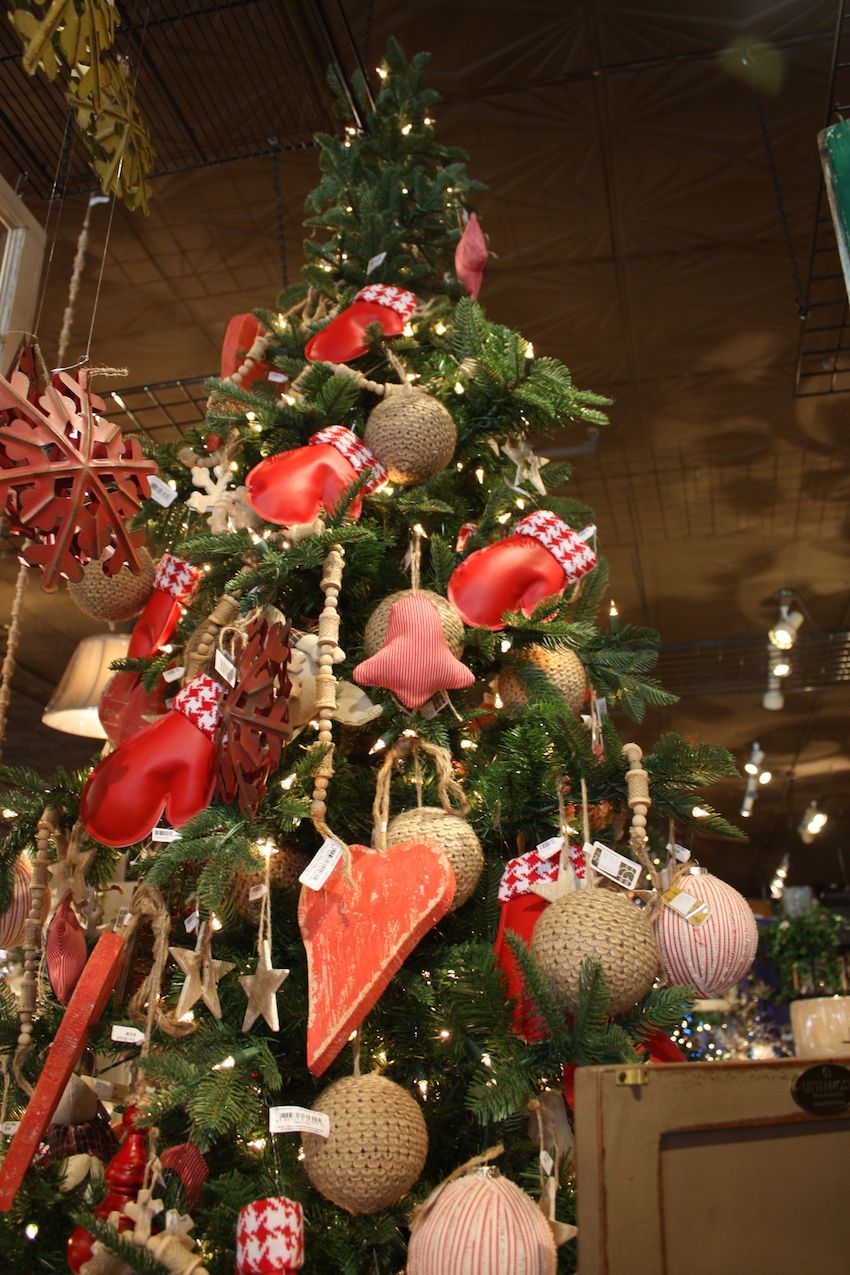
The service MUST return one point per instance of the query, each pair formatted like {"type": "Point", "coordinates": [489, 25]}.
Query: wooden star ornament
{"type": "Point", "coordinates": [202, 976]}
{"type": "Point", "coordinates": [261, 988]}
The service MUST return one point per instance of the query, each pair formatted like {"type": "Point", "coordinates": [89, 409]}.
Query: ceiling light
{"type": "Point", "coordinates": [756, 758]}
{"type": "Point", "coordinates": [781, 668]}
{"type": "Point", "coordinates": [784, 632]}
{"type": "Point", "coordinates": [773, 699]}
{"type": "Point", "coordinates": [813, 822]}
{"type": "Point", "coordinates": [765, 777]}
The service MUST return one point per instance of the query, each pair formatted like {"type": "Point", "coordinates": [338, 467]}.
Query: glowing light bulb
{"type": "Point", "coordinates": [226, 1064]}
{"type": "Point", "coordinates": [406, 129]}
{"type": "Point", "coordinates": [479, 474]}
{"type": "Point", "coordinates": [287, 783]}
{"type": "Point", "coordinates": [459, 389]}
{"type": "Point", "coordinates": [699, 813]}
{"type": "Point", "coordinates": [257, 1144]}
{"type": "Point", "coordinates": [440, 328]}
{"type": "Point", "coordinates": [31, 1230]}
{"type": "Point", "coordinates": [381, 72]}
{"type": "Point", "coordinates": [506, 644]}
{"type": "Point", "coordinates": [529, 351]}
{"type": "Point", "coordinates": [503, 518]}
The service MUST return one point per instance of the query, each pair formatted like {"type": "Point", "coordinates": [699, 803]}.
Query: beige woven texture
{"type": "Point", "coordinates": [376, 1148]}
{"type": "Point", "coordinates": [376, 626]}
{"type": "Point", "coordinates": [113, 598]}
{"type": "Point", "coordinates": [563, 668]}
{"type": "Point", "coordinates": [455, 837]}
{"type": "Point", "coordinates": [599, 924]}
{"type": "Point", "coordinates": [285, 868]}
{"type": "Point", "coordinates": [412, 434]}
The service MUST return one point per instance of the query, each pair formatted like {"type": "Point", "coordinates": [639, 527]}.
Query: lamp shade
{"type": "Point", "coordinates": [73, 705]}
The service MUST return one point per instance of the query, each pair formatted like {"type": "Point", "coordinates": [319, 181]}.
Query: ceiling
{"type": "Point", "coordinates": [634, 224]}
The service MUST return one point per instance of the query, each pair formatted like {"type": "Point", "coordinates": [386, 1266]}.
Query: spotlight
{"type": "Point", "coordinates": [813, 822]}
{"type": "Point", "coordinates": [781, 668]}
{"type": "Point", "coordinates": [765, 777]}
{"type": "Point", "coordinates": [783, 635]}
{"type": "Point", "coordinates": [756, 758]}
{"type": "Point", "coordinates": [773, 699]}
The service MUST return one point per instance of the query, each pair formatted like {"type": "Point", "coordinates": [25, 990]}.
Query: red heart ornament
{"type": "Point", "coordinates": [357, 934]}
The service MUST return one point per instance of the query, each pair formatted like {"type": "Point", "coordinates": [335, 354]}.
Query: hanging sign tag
{"type": "Point", "coordinates": [9, 1128]}
{"type": "Point", "coordinates": [191, 922]}
{"type": "Point", "coordinates": [257, 891]}
{"type": "Point", "coordinates": [225, 667]}
{"type": "Point", "coordinates": [162, 833]}
{"type": "Point", "coordinates": [298, 1120]}
{"type": "Point", "coordinates": [322, 864]}
{"type": "Point", "coordinates": [277, 376]}
{"type": "Point", "coordinates": [172, 674]}
{"type": "Point", "coordinates": [680, 853]}
{"type": "Point", "coordinates": [613, 865]}
{"type": "Point", "coordinates": [161, 492]}
{"type": "Point", "coordinates": [546, 1162]}
{"type": "Point", "coordinates": [695, 911]}
{"type": "Point", "coordinates": [434, 705]}
{"type": "Point", "coordinates": [550, 847]}
{"type": "Point", "coordinates": [127, 1035]}
{"type": "Point", "coordinates": [378, 260]}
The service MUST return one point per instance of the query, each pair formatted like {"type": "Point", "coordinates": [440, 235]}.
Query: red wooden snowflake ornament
{"type": "Point", "coordinates": [72, 482]}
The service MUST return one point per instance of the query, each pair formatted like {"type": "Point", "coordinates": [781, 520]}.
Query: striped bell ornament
{"type": "Point", "coordinates": [715, 955]}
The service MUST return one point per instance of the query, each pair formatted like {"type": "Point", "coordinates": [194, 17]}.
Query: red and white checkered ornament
{"type": "Point", "coordinates": [344, 338]}
{"type": "Point", "coordinates": [199, 701]}
{"type": "Point", "coordinates": [270, 1237]}
{"type": "Point", "coordinates": [574, 554]}
{"type": "Point", "coordinates": [522, 873]}
{"type": "Point", "coordinates": [177, 577]}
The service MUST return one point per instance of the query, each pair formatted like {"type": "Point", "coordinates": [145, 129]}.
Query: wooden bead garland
{"type": "Point", "coordinates": [326, 683]}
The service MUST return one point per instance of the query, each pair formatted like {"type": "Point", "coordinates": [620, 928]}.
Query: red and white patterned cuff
{"type": "Point", "coordinates": [468, 529]}
{"type": "Point", "coordinates": [355, 452]}
{"type": "Point", "coordinates": [398, 299]}
{"type": "Point", "coordinates": [200, 701]}
{"type": "Point", "coordinates": [574, 555]}
{"type": "Point", "coordinates": [270, 1237]}
{"type": "Point", "coordinates": [177, 577]}
{"type": "Point", "coordinates": [530, 869]}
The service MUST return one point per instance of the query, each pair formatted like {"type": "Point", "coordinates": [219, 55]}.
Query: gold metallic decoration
{"type": "Point", "coordinates": [117, 137]}
{"type": "Point", "coordinates": [70, 33]}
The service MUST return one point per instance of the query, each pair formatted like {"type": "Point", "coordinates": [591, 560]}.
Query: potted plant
{"type": "Point", "coordinates": [804, 950]}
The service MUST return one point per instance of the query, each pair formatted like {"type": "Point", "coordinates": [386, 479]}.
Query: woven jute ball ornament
{"type": "Point", "coordinates": [481, 1225]}
{"type": "Point", "coordinates": [285, 868]}
{"type": "Point", "coordinates": [711, 957]}
{"type": "Point", "coordinates": [412, 434]}
{"type": "Point", "coordinates": [117, 597]}
{"type": "Point", "coordinates": [455, 837]}
{"type": "Point", "coordinates": [563, 668]}
{"type": "Point", "coordinates": [376, 1148]}
{"type": "Point", "coordinates": [604, 926]}
{"type": "Point", "coordinates": [376, 626]}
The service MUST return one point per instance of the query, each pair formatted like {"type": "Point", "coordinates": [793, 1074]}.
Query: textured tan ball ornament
{"type": "Point", "coordinates": [563, 668]}
{"type": "Point", "coordinates": [455, 837]}
{"type": "Point", "coordinates": [481, 1225]}
{"type": "Point", "coordinates": [376, 626]}
{"type": "Point", "coordinates": [412, 434]}
{"type": "Point", "coordinates": [376, 1148]}
{"type": "Point", "coordinates": [597, 924]}
{"type": "Point", "coordinates": [113, 598]}
{"type": "Point", "coordinates": [285, 868]}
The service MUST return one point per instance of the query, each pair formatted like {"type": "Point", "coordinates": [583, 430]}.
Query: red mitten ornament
{"type": "Point", "coordinates": [415, 660]}
{"type": "Point", "coordinates": [471, 256]}
{"type": "Point", "coordinates": [241, 333]}
{"type": "Point", "coordinates": [539, 560]}
{"type": "Point", "coordinates": [295, 487]}
{"type": "Point", "coordinates": [344, 338]}
{"type": "Point", "coordinates": [169, 765]}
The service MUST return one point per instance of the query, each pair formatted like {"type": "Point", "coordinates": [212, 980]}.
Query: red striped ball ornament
{"type": "Point", "coordinates": [64, 951]}
{"type": "Point", "coordinates": [715, 955]}
{"type": "Point", "coordinates": [481, 1225]}
{"type": "Point", "coordinates": [13, 920]}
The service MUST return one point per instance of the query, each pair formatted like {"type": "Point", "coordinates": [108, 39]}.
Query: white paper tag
{"type": "Point", "coordinates": [550, 847]}
{"type": "Point", "coordinates": [191, 922]}
{"type": "Point", "coordinates": [257, 891]}
{"type": "Point", "coordinates": [434, 705]}
{"type": "Point", "coordinates": [172, 674]}
{"type": "Point", "coordinates": [321, 865]}
{"type": "Point", "coordinates": [276, 376]}
{"type": "Point", "coordinates": [9, 1128]}
{"type": "Point", "coordinates": [695, 911]}
{"type": "Point", "coordinates": [161, 492]}
{"type": "Point", "coordinates": [680, 853]}
{"type": "Point", "coordinates": [601, 708]}
{"type": "Point", "coordinates": [546, 1162]}
{"type": "Point", "coordinates": [122, 918]}
{"type": "Point", "coordinates": [298, 1120]}
{"type": "Point", "coordinates": [163, 833]}
{"type": "Point", "coordinates": [613, 865]}
{"type": "Point", "coordinates": [129, 1035]}
{"type": "Point", "coordinates": [378, 259]}
{"type": "Point", "coordinates": [225, 667]}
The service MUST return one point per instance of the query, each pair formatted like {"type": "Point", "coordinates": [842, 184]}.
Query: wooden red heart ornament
{"type": "Point", "coordinates": [357, 933]}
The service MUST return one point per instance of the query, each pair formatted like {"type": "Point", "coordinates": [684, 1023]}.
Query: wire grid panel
{"type": "Point", "coordinates": [741, 666]}
{"type": "Point", "coordinates": [162, 412]}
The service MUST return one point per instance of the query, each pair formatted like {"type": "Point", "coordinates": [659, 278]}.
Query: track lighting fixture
{"type": "Point", "coordinates": [773, 699]}
{"type": "Point", "coordinates": [813, 822]}
{"type": "Point", "coordinates": [756, 776]}
{"type": "Point", "coordinates": [777, 885]}
{"type": "Point", "coordinates": [783, 635]}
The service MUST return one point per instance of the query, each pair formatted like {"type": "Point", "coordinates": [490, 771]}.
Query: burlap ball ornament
{"type": "Point", "coordinates": [563, 668]}
{"type": "Point", "coordinates": [455, 837]}
{"type": "Point", "coordinates": [600, 925]}
{"type": "Point", "coordinates": [376, 1148]}
{"type": "Point", "coordinates": [480, 1224]}
{"type": "Point", "coordinates": [375, 632]}
{"type": "Point", "coordinates": [113, 598]}
{"type": "Point", "coordinates": [285, 868]}
{"type": "Point", "coordinates": [412, 434]}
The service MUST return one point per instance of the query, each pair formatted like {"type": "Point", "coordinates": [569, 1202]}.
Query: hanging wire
{"type": "Point", "coordinates": [60, 173]}
{"type": "Point", "coordinates": [280, 220]}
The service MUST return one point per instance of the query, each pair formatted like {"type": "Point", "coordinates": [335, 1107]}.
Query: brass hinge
{"type": "Point", "coordinates": [633, 1076]}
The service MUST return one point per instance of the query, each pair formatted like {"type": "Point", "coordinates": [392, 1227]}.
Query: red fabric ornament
{"type": "Point", "coordinates": [295, 487]}
{"type": "Point", "coordinates": [471, 256]}
{"type": "Point", "coordinates": [65, 951]}
{"type": "Point", "coordinates": [344, 338]}
{"type": "Point", "coordinates": [415, 660]}
{"type": "Point", "coordinates": [270, 1237]}
{"type": "Point", "coordinates": [169, 765]}
{"type": "Point", "coordinates": [13, 920]}
{"type": "Point", "coordinates": [191, 1168]}
{"type": "Point", "coordinates": [239, 336]}
{"type": "Point", "coordinates": [711, 957]}
{"type": "Point", "coordinates": [124, 1177]}
{"type": "Point", "coordinates": [538, 560]}
{"type": "Point", "coordinates": [352, 951]}
{"type": "Point", "coordinates": [72, 482]}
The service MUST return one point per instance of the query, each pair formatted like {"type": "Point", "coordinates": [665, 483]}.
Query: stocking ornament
{"type": "Point", "coordinates": [297, 486]}
{"type": "Point", "coordinates": [344, 338]}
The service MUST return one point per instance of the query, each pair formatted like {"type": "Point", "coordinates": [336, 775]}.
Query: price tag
{"type": "Point", "coordinates": [680, 853]}
{"type": "Point", "coordinates": [191, 922]}
{"type": "Point", "coordinates": [546, 1162]}
{"type": "Point", "coordinates": [434, 705]}
{"type": "Point", "coordinates": [694, 911]}
{"type": "Point", "coordinates": [277, 376]}
{"type": "Point", "coordinates": [616, 867]}
{"type": "Point", "coordinates": [9, 1128]}
{"type": "Point", "coordinates": [257, 891]}
{"type": "Point", "coordinates": [225, 667]}
{"type": "Point", "coordinates": [378, 260]}
{"type": "Point", "coordinates": [128, 1035]}
{"type": "Point", "coordinates": [172, 674]}
{"type": "Point", "coordinates": [550, 847]}
{"type": "Point", "coordinates": [161, 492]}
{"type": "Point", "coordinates": [298, 1120]}
{"type": "Point", "coordinates": [163, 833]}
{"type": "Point", "coordinates": [322, 864]}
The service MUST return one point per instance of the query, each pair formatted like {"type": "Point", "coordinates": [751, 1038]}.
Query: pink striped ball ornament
{"type": "Point", "coordinates": [481, 1225]}
{"type": "Point", "coordinates": [13, 920]}
{"type": "Point", "coordinates": [711, 957]}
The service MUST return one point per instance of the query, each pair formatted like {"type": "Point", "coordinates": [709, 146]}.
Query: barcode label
{"type": "Point", "coordinates": [378, 260]}
{"type": "Point", "coordinates": [257, 891]}
{"type": "Point", "coordinates": [225, 667]}
{"type": "Point", "coordinates": [550, 847]}
{"type": "Point", "coordinates": [694, 911]}
{"type": "Point", "coordinates": [161, 492]}
{"type": "Point", "coordinates": [322, 864]}
{"type": "Point", "coordinates": [128, 1035]}
{"type": "Point", "coordinates": [172, 674]}
{"type": "Point", "coordinates": [163, 833]}
{"type": "Point", "coordinates": [298, 1120]}
{"type": "Point", "coordinates": [613, 865]}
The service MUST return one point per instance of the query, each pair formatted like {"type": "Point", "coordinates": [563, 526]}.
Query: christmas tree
{"type": "Point", "coordinates": [370, 659]}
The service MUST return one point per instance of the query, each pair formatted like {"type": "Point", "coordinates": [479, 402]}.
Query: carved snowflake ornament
{"type": "Point", "coordinates": [71, 481]}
